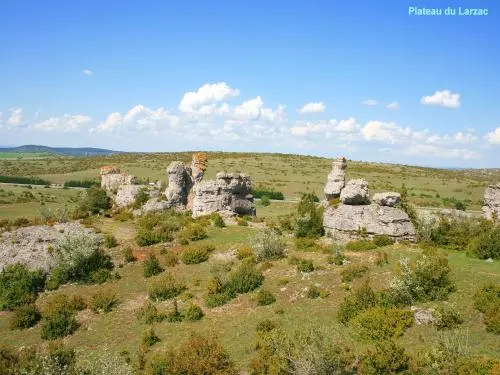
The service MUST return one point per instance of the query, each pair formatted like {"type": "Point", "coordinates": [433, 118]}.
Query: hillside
{"type": "Point", "coordinates": [66, 151]}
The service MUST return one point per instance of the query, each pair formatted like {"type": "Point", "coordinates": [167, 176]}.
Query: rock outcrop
{"type": "Point", "coordinates": [230, 195]}
{"type": "Point", "coordinates": [355, 212]}
{"type": "Point", "coordinates": [180, 183]}
{"type": "Point", "coordinates": [126, 195]}
{"type": "Point", "coordinates": [491, 208]}
{"type": "Point", "coordinates": [336, 179]}
{"type": "Point", "coordinates": [111, 178]}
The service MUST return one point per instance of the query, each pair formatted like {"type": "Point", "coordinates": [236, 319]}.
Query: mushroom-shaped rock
{"type": "Point", "coordinates": [336, 179]}
{"type": "Point", "coordinates": [389, 199]}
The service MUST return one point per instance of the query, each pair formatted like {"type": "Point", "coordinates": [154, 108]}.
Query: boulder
{"type": "Point", "coordinates": [180, 184]}
{"type": "Point", "coordinates": [126, 194]}
{"type": "Point", "coordinates": [355, 192]}
{"type": "Point", "coordinates": [154, 205]}
{"type": "Point", "coordinates": [336, 179]}
{"type": "Point", "coordinates": [491, 208]}
{"type": "Point", "coordinates": [346, 220]}
{"type": "Point", "coordinates": [389, 199]}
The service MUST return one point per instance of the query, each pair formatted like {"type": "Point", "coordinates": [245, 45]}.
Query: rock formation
{"type": "Point", "coordinates": [336, 179]}
{"type": "Point", "coordinates": [230, 195]}
{"type": "Point", "coordinates": [127, 194]}
{"type": "Point", "coordinates": [111, 178]}
{"type": "Point", "coordinates": [180, 183]}
{"type": "Point", "coordinates": [491, 208]}
{"type": "Point", "coordinates": [355, 212]}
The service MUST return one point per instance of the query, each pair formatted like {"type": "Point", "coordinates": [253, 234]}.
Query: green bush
{"type": "Point", "coordinates": [457, 232]}
{"type": "Point", "coordinates": [265, 201]}
{"type": "Point", "coordinates": [100, 276]}
{"type": "Point", "coordinates": [19, 286]}
{"type": "Point", "coordinates": [361, 299]}
{"type": "Point", "coordinates": [192, 232]}
{"type": "Point", "coordinates": [110, 241]}
{"type": "Point", "coordinates": [487, 301]}
{"type": "Point", "coordinates": [25, 316]}
{"type": "Point", "coordinates": [382, 240]}
{"type": "Point", "coordinates": [379, 323]}
{"type": "Point", "coordinates": [95, 200]}
{"type": "Point", "coordinates": [196, 254]}
{"type": "Point", "coordinates": [159, 227]}
{"type": "Point", "coordinates": [276, 195]}
{"type": "Point", "coordinates": [267, 244]}
{"type": "Point", "coordinates": [310, 217]}
{"type": "Point", "coordinates": [141, 198]}
{"type": "Point", "coordinates": [219, 299]}
{"type": "Point", "coordinates": [193, 313]}
{"type": "Point", "coordinates": [487, 245]}
{"type": "Point", "coordinates": [353, 271]}
{"type": "Point", "coordinates": [152, 266]}
{"type": "Point", "coordinates": [123, 216]}
{"type": "Point", "coordinates": [103, 301]}
{"type": "Point", "coordinates": [217, 220]}
{"type": "Point", "coordinates": [149, 338]}
{"type": "Point", "coordinates": [360, 245]}
{"type": "Point", "coordinates": [313, 292]}
{"type": "Point", "coordinates": [165, 287]}
{"type": "Point", "coordinates": [381, 258]}
{"type": "Point", "coordinates": [150, 314]}
{"type": "Point", "coordinates": [305, 265]}
{"type": "Point", "coordinates": [241, 222]}
{"type": "Point", "coordinates": [170, 258]}
{"type": "Point", "coordinates": [447, 318]}
{"type": "Point", "coordinates": [58, 318]}
{"type": "Point", "coordinates": [244, 252]}
{"type": "Point", "coordinates": [245, 279]}
{"type": "Point", "coordinates": [265, 297]}
{"type": "Point", "coordinates": [265, 325]}
{"type": "Point", "coordinates": [128, 255]}
{"type": "Point", "coordinates": [386, 358]}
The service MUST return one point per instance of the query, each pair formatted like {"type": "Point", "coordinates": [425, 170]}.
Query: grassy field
{"type": "Point", "coordinates": [25, 155]}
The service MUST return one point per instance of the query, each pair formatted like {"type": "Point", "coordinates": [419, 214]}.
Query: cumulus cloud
{"type": "Point", "coordinates": [385, 131]}
{"type": "Point", "coordinates": [313, 107]}
{"type": "Point", "coordinates": [87, 72]}
{"type": "Point", "coordinates": [16, 117]}
{"type": "Point", "coordinates": [393, 106]}
{"type": "Point", "coordinates": [65, 123]}
{"type": "Point", "coordinates": [370, 102]}
{"type": "Point", "coordinates": [206, 95]}
{"type": "Point", "coordinates": [494, 136]}
{"type": "Point", "coordinates": [459, 137]}
{"type": "Point", "coordinates": [327, 127]}
{"type": "Point", "coordinates": [442, 152]}
{"type": "Point", "coordinates": [443, 98]}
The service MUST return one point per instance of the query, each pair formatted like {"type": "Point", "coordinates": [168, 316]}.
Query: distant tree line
{"type": "Point", "coordinates": [81, 183]}
{"type": "Point", "coordinates": [259, 193]}
{"type": "Point", "coordinates": [23, 180]}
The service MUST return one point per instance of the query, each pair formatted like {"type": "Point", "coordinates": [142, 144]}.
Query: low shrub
{"type": "Point", "coordinates": [487, 245]}
{"type": "Point", "coordinates": [265, 297]}
{"type": "Point", "coordinates": [19, 286]}
{"type": "Point", "coordinates": [361, 299]}
{"type": "Point", "coordinates": [265, 201]}
{"type": "Point", "coordinates": [150, 314]}
{"type": "Point", "coordinates": [310, 217]}
{"type": "Point", "coordinates": [382, 240]}
{"type": "Point", "coordinates": [159, 227]}
{"type": "Point", "coordinates": [381, 258]}
{"type": "Point", "coordinates": [267, 244]}
{"type": "Point", "coordinates": [276, 195]}
{"type": "Point", "coordinates": [447, 318]}
{"type": "Point", "coordinates": [386, 358]}
{"type": "Point", "coordinates": [353, 271]}
{"type": "Point", "coordinates": [313, 292]}
{"type": "Point", "coordinates": [58, 318]}
{"type": "Point", "coordinates": [266, 325]}
{"type": "Point", "coordinates": [487, 301]}
{"type": "Point", "coordinates": [219, 299]}
{"type": "Point", "coordinates": [128, 255]}
{"type": "Point", "coordinates": [193, 313]}
{"type": "Point", "coordinates": [240, 221]}
{"type": "Point", "coordinates": [100, 276]}
{"type": "Point", "coordinates": [140, 198]}
{"type": "Point", "coordinates": [304, 244]}
{"type": "Point", "coordinates": [152, 266]}
{"type": "Point", "coordinates": [196, 254]}
{"type": "Point", "coordinates": [103, 301]}
{"type": "Point", "coordinates": [149, 338]}
{"type": "Point", "coordinates": [25, 316]}
{"type": "Point", "coordinates": [95, 200]}
{"type": "Point", "coordinates": [170, 259]}
{"type": "Point", "coordinates": [192, 232]}
{"type": "Point", "coordinates": [123, 216]}
{"type": "Point", "coordinates": [305, 265]}
{"type": "Point", "coordinates": [360, 245]}
{"type": "Point", "coordinates": [164, 287]}
{"type": "Point", "coordinates": [110, 241]}
{"type": "Point", "coordinates": [379, 323]}
{"type": "Point", "coordinates": [244, 252]}
{"type": "Point", "coordinates": [217, 220]}
{"type": "Point", "coordinates": [245, 278]}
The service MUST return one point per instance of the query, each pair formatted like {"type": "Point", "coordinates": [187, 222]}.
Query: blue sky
{"type": "Point", "coordinates": [373, 82]}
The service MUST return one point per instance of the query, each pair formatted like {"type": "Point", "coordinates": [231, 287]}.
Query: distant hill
{"type": "Point", "coordinates": [66, 151]}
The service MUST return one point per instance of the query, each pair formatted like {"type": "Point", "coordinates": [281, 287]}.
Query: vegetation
{"type": "Point", "coordinates": [152, 266]}
{"type": "Point", "coordinates": [81, 183]}
{"type": "Point", "coordinates": [265, 297]}
{"type": "Point", "coordinates": [196, 254]}
{"type": "Point", "coordinates": [58, 318]}
{"type": "Point", "coordinates": [310, 217]}
{"type": "Point", "coordinates": [165, 287]}
{"type": "Point", "coordinates": [487, 300]}
{"type": "Point", "coordinates": [103, 301]}
{"type": "Point", "coordinates": [19, 286]}
{"type": "Point", "coordinates": [23, 180]}
{"type": "Point", "coordinates": [260, 193]}
{"type": "Point", "coordinates": [268, 245]}
{"type": "Point", "coordinates": [25, 316]}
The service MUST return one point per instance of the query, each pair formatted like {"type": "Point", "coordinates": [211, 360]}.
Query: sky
{"type": "Point", "coordinates": [362, 79]}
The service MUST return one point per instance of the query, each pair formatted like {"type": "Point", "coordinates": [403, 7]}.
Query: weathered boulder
{"type": "Point", "coordinates": [111, 178]}
{"type": "Point", "coordinates": [126, 194]}
{"type": "Point", "coordinates": [198, 166]}
{"type": "Point", "coordinates": [346, 220]}
{"type": "Point", "coordinates": [389, 199]}
{"type": "Point", "coordinates": [491, 208]}
{"type": "Point", "coordinates": [30, 245]}
{"type": "Point", "coordinates": [180, 183]}
{"type": "Point", "coordinates": [230, 195]}
{"type": "Point", "coordinates": [336, 179]}
{"type": "Point", "coordinates": [154, 205]}
{"type": "Point", "coordinates": [355, 192]}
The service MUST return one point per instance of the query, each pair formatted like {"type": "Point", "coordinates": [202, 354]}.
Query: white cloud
{"type": "Point", "coordinates": [65, 123]}
{"type": "Point", "coordinates": [206, 94]}
{"type": "Point", "coordinates": [16, 116]}
{"type": "Point", "coordinates": [460, 138]}
{"type": "Point", "coordinates": [370, 102]}
{"type": "Point", "coordinates": [385, 131]}
{"type": "Point", "coordinates": [494, 136]}
{"type": "Point", "coordinates": [393, 106]}
{"type": "Point", "coordinates": [443, 98]}
{"type": "Point", "coordinates": [87, 72]}
{"type": "Point", "coordinates": [326, 127]}
{"type": "Point", "coordinates": [313, 107]}
{"type": "Point", "coordinates": [442, 152]}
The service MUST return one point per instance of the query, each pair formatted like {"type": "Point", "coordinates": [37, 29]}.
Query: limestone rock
{"type": "Point", "coordinates": [111, 178]}
{"type": "Point", "coordinates": [154, 205]}
{"type": "Point", "coordinates": [180, 184]}
{"type": "Point", "coordinates": [389, 199]}
{"type": "Point", "coordinates": [491, 206]}
{"type": "Point", "coordinates": [346, 220]}
{"type": "Point", "coordinates": [355, 193]}
{"type": "Point", "coordinates": [423, 316]}
{"type": "Point", "coordinates": [336, 179]}
{"type": "Point", "coordinates": [198, 166]}
{"type": "Point", "coordinates": [126, 194]}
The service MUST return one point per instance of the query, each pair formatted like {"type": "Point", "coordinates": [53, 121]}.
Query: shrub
{"type": "Point", "coordinates": [447, 318]}
{"type": "Point", "coordinates": [241, 222]}
{"type": "Point", "coordinates": [110, 241]}
{"type": "Point", "coordinates": [95, 200]}
{"type": "Point", "coordinates": [360, 245]}
{"type": "Point", "coordinates": [193, 232]}
{"type": "Point", "coordinates": [381, 258]}
{"type": "Point", "coordinates": [456, 232]}
{"type": "Point", "coordinates": [267, 244]}
{"type": "Point", "coordinates": [193, 313]}
{"type": "Point", "coordinates": [313, 292]}
{"type": "Point", "coordinates": [219, 299]}
{"type": "Point", "coordinates": [128, 255]}
{"type": "Point", "coordinates": [25, 316]}
{"type": "Point", "coordinates": [103, 301]}
{"type": "Point", "coordinates": [123, 216]}
{"type": "Point", "coordinates": [487, 301]}
{"type": "Point", "coordinates": [353, 271]}
{"type": "Point", "coordinates": [266, 325]}
{"type": "Point", "coordinates": [149, 313]}
{"type": "Point", "coordinates": [276, 195]}
{"type": "Point", "coordinates": [149, 338]}
{"type": "Point", "coordinates": [152, 266]}
{"type": "Point", "coordinates": [197, 355]}
{"type": "Point", "coordinates": [170, 258]}
{"type": "Point", "coordinates": [487, 245]}
{"type": "Point", "coordinates": [378, 323]}
{"type": "Point", "coordinates": [310, 217]}
{"type": "Point", "coordinates": [158, 227]}
{"type": "Point", "coordinates": [265, 201]}
{"type": "Point", "coordinates": [305, 265]}
{"type": "Point", "coordinates": [304, 244]}
{"type": "Point", "coordinates": [245, 279]}
{"type": "Point", "coordinates": [386, 358]}
{"type": "Point", "coordinates": [141, 198]}
{"type": "Point", "coordinates": [217, 220]}
{"type": "Point", "coordinates": [382, 240]}
{"type": "Point", "coordinates": [58, 318]}
{"type": "Point", "coordinates": [196, 254]}
{"type": "Point", "coordinates": [244, 252]}
{"type": "Point", "coordinates": [165, 287]}
{"type": "Point", "coordinates": [426, 279]}
{"type": "Point", "coordinates": [19, 286]}
{"type": "Point", "coordinates": [265, 297]}
{"type": "Point", "coordinates": [361, 299]}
